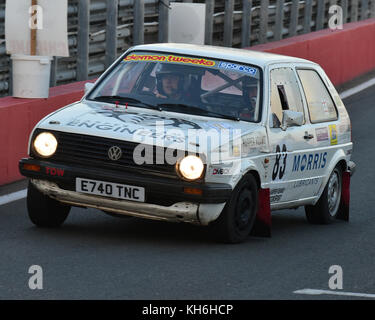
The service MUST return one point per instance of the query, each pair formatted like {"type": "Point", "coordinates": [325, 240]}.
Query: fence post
{"type": "Point", "coordinates": [307, 19]}
{"type": "Point", "coordinates": [344, 4]}
{"type": "Point", "coordinates": [364, 8]}
{"type": "Point", "coordinates": [139, 22]}
{"type": "Point", "coordinates": [209, 24]}
{"type": "Point", "coordinates": [246, 23]}
{"type": "Point", "coordinates": [228, 23]}
{"type": "Point", "coordinates": [320, 15]}
{"type": "Point", "coordinates": [354, 11]}
{"type": "Point", "coordinates": [10, 79]}
{"type": "Point", "coordinates": [111, 32]}
{"type": "Point", "coordinates": [372, 9]}
{"type": "Point", "coordinates": [278, 31]}
{"type": "Point", "coordinates": [263, 21]}
{"type": "Point", "coordinates": [83, 39]}
{"type": "Point", "coordinates": [293, 18]}
{"type": "Point", "coordinates": [52, 81]}
{"type": "Point", "coordinates": [163, 20]}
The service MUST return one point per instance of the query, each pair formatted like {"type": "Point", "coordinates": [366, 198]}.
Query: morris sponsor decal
{"type": "Point", "coordinates": [310, 161]}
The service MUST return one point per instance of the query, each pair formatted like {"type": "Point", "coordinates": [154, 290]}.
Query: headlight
{"type": "Point", "coordinates": [190, 167]}
{"type": "Point", "coordinates": [45, 144]}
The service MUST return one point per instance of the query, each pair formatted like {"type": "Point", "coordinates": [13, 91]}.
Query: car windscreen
{"type": "Point", "coordinates": [184, 84]}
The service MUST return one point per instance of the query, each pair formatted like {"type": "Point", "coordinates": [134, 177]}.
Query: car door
{"type": "Point", "coordinates": [292, 149]}
{"type": "Point", "coordinates": [322, 121]}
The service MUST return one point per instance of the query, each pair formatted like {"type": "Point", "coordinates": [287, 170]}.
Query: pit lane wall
{"type": "Point", "coordinates": [343, 54]}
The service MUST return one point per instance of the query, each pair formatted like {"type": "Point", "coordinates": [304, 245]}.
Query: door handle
{"type": "Point", "coordinates": [308, 136]}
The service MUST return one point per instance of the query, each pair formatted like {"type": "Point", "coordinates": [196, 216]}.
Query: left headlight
{"type": "Point", "coordinates": [190, 168]}
{"type": "Point", "coordinates": [45, 144]}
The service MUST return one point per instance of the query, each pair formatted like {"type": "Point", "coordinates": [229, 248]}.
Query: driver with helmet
{"type": "Point", "coordinates": [170, 79]}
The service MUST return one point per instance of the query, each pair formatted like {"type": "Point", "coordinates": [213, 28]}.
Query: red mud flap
{"type": "Point", "coordinates": [262, 225]}
{"type": "Point", "coordinates": [343, 213]}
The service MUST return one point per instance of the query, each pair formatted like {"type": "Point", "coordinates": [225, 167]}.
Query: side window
{"type": "Point", "coordinates": [319, 101]}
{"type": "Point", "coordinates": [285, 94]}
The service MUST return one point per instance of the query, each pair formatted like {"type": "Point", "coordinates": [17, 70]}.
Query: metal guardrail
{"type": "Point", "coordinates": [97, 37]}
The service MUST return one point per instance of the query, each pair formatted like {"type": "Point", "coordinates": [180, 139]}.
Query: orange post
{"type": "Point", "coordinates": [33, 33]}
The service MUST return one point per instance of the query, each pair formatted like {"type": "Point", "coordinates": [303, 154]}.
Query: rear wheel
{"type": "Point", "coordinates": [44, 211]}
{"type": "Point", "coordinates": [327, 208]}
{"type": "Point", "coordinates": [238, 216]}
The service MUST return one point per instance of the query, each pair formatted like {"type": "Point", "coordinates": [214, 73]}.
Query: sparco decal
{"type": "Point", "coordinates": [280, 164]}
{"type": "Point", "coordinates": [311, 161]}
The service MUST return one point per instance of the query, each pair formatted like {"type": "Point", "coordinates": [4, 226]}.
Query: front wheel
{"type": "Point", "coordinates": [327, 208]}
{"type": "Point", "coordinates": [238, 216]}
{"type": "Point", "coordinates": [44, 211]}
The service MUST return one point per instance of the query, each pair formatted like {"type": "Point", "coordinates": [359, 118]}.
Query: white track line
{"type": "Point", "coordinates": [337, 293]}
{"type": "Point", "coordinates": [13, 197]}
{"type": "Point", "coordinates": [347, 93]}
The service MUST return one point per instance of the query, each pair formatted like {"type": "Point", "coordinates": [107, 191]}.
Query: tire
{"type": "Point", "coordinates": [327, 208]}
{"type": "Point", "coordinates": [43, 211]}
{"type": "Point", "coordinates": [238, 216]}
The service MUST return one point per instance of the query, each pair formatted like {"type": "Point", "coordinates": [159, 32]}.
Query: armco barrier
{"type": "Point", "coordinates": [17, 119]}
{"type": "Point", "coordinates": [344, 55]}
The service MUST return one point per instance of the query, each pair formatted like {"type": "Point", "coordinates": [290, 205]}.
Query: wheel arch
{"type": "Point", "coordinates": [256, 176]}
{"type": "Point", "coordinates": [339, 159]}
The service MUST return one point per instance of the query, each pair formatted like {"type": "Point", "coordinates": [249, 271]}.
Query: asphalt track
{"type": "Point", "coordinates": [95, 256]}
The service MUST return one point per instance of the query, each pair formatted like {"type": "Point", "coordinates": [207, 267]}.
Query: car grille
{"type": "Point", "coordinates": [93, 151]}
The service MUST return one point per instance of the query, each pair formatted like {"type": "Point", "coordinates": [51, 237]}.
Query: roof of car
{"type": "Point", "coordinates": [241, 55]}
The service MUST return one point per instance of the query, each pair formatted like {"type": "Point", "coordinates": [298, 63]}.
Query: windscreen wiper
{"type": "Point", "coordinates": [196, 108]}
{"type": "Point", "coordinates": [125, 99]}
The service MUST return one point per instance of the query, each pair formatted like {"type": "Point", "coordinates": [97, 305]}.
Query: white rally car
{"type": "Point", "coordinates": [207, 135]}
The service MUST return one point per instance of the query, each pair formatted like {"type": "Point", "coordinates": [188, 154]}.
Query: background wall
{"type": "Point", "coordinates": [236, 23]}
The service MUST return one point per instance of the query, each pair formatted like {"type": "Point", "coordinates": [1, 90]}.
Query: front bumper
{"type": "Point", "coordinates": [166, 199]}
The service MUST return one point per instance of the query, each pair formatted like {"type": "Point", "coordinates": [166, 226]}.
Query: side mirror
{"type": "Point", "coordinates": [291, 118]}
{"type": "Point", "coordinates": [88, 86]}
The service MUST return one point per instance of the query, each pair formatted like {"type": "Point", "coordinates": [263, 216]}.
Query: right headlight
{"type": "Point", "coordinates": [190, 168]}
{"type": "Point", "coordinates": [45, 144]}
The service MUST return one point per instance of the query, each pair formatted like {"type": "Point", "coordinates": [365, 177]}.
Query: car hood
{"type": "Point", "coordinates": [162, 128]}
